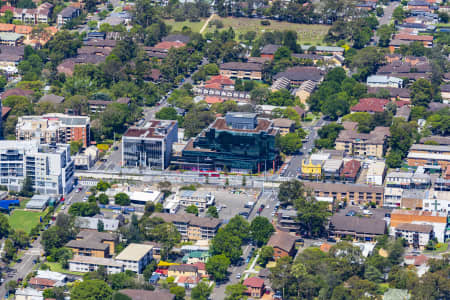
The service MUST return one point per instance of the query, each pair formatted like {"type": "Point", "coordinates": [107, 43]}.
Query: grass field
{"type": "Point", "coordinates": [178, 26]}
{"type": "Point", "coordinates": [307, 34]}
{"type": "Point", "coordinates": [312, 34]}
{"type": "Point", "coordinates": [22, 219]}
{"type": "Point", "coordinates": [56, 267]}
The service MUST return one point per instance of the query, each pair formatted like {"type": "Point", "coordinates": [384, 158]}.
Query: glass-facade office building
{"type": "Point", "coordinates": [240, 142]}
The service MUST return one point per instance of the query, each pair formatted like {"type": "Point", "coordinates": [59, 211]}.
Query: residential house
{"type": "Point", "coordinates": [322, 49]}
{"type": "Point", "coordinates": [402, 94]}
{"type": "Point", "coordinates": [384, 81]}
{"type": "Point", "coordinates": [10, 57]}
{"type": "Point", "coordinates": [67, 14]}
{"type": "Point", "coordinates": [305, 90]}
{"type": "Point", "coordinates": [406, 39]}
{"type": "Point", "coordinates": [182, 270]}
{"type": "Point", "coordinates": [269, 50]}
{"type": "Point", "coordinates": [445, 93]}
{"type": "Point", "coordinates": [28, 294]}
{"type": "Point", "coordinates": [300, 74]}
{"type": "Point", "coordinates": [370, 105]}
{"type": "Point", "coordinates": [241, 70]}
{"type": "Point", "coordinates": [283, 244]}
{"type": "Point", "coordinates": [11, 39]}
{"type": "Point", "coordinates": [255, 287]}
{"type": "Point", "coordinates": [93, 243]}
{"type": "Point", "coordinates": [169, 45]}
{"type": "Point", "coordinates": [437, 201]}
{"type": "Point", "coordinates": [285, 125]}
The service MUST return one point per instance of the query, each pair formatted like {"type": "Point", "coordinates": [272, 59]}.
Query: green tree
{"type": "Point", "coordinates": [235, 291]}
{"type": "Point", "coordinates": [27, 187]}
{"type": "Point", "coordinates": [75, 147]}
{"type": "Point", "coordinates": [312, 215]}
{"type": "Point", "coordinates": [9, 251]}
{"type": "Point", "coordinates": [289, 191]}
{"type": "Point", "coordinates": [202, 291]}
{"type": "Point", "coordinates": [103, 185]}
{"type": "Point", "coordinates": [103, 199]}
{"type": "Point", "coordinates": [261, 229]}
{"type": "Point", "coordinates": [289, 143]}
{"type": "Point", "coordinates": [328, 135]}
{"type": "Point", "coordinates": [421, 92]}
{"type": "Point", "coordinates": [373, 274]}
{"type": "Point", "coordinates": [100, 226]}
{"type": "Point", "coordinates": [281, 275]}
{"type": "Point", "coordinates": [20, 238]}
{"type": "Point", "coordinates": [4, 226]}
{"type": "Point", "coordinates": [212, 212]}
{"type": "Point", "coordinates": [149, 269]}
{"type": "Point", "coordinates": [167, 113]}
{"type": "Point", "coordinates": [91, 290]}
{"type": "Point", "coordinates": [399, 14]}
{"type": "Point", "coordinates": [228, 244]}
{"type": "Point", "coordinates": [217, 266]}
{"type": "Point", "coordinates": [179, 292]}
{"type": "Point", "coordinates": [384, 33]}
{"type": "Point", "coordinates": [394, 159]}
{"type": "Point", "coordinates": [84, 209]}
{"type": "Point", "coordinates": [122, 199]}
{"type": "Point", "coordinates": [192, 209]}
{"type": "Point", "coordinates": [265, 255]}
{"type": "Point", "coordinates": [238, 226]}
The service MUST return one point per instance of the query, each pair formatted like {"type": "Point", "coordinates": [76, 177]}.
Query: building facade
{"type": "Point", "coordinates": [135, 257]}
{"type": "Point", "coordinates": [54, 128]}
{"type": "Point", "coordinates": [49, 167]}
{"type": "Point", "coordinates": [240, 142]}
{"type": "Point", "coordinates": [150, 146]}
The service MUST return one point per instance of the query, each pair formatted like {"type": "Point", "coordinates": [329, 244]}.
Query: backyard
{"type": "Point", "coordinates": [307, 34]}
{"type": "Point", "coordinates": [23, 219]}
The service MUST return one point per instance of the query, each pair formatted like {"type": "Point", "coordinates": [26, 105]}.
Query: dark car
{"type": "Point", "coordinates": [331, 240]}
{"type": "Point", "coordinates": [244, 214]}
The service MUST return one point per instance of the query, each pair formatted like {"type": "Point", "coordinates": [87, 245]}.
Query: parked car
{"type": "Point", "coordinates": [238, 276]}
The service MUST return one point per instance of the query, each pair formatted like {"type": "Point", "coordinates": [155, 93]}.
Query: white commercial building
{"type": "Point", "coordinates": [91, 263]}
{"type": "Point", "coordinates": [49, 167]}
{"type": "Point", "coordinates": [201, 199]}
{"type": "Point", "coordinates": [92, 223]}
{"type": "Point", "coordinates": [375, 173]}
{"type": "Point", "coordinates": [142, 198]}
{"type": "Point", "coordinates": [135, 257]}
{"type": "Point", "coordinates": [437, 201]}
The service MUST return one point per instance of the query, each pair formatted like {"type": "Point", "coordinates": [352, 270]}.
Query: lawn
{"type": "Point", "coordinates": [56, 267]}
{"type": "Point", "coordinates": [307, 34]}
{"type": "Point", "coordinates": [440, 247]}
{"type": "Point", "coordinates": [22, 219]}
{"type": "Point", "coordinates": [178, 26]}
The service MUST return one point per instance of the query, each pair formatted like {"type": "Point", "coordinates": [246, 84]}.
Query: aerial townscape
{"type": "Point", "coordinates": [225, 149]}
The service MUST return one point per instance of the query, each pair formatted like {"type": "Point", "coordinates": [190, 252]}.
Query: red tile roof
{"type": "Point", "coordinates": [42, 281]}
{"type": "Point", "coordinates": [254, 282]}
{"type": "Point", "coordinates": [16, 92]}
{"type": "Point", "coordinates": [212, 100]}
{"type": "Point", "coordinates": [213, 85]}
{"type": "Point", "coordinates": [351, 168]}
{"type": "Point", "coordinates": [188, 279]}
{"type": "Point", "coordinates": [168, 45]}
{"type": "Point", "coordinates": [223, 80]}
{"type": "Point", "coordinates": [370, 105]}
{"type": "Point", "coordinates": [3, 9]}
{"type": "Point", "coordinates": [5, 111]}
{"type": "Point", "coordinates": [412, 37]}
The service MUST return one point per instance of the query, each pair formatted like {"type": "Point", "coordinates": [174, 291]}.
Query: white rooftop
{"type": "Point", "coordinates": [134, 252]}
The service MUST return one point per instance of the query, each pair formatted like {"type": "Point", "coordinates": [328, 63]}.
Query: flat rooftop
{"type": "Point", "coordinates": [134, 252]}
